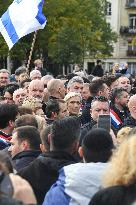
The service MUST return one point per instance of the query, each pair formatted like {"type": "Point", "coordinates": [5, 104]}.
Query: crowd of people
{"type": "Point", "coordinates": [53, 148]}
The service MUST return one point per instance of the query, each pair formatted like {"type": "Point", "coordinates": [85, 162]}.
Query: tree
{"type": "Point", "coordinates": [78, 28]}
{"type": "Point", "coordinates": [74, 29]}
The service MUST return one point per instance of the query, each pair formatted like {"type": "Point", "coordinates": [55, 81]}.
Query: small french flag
{"type": "Point", "coordinates": [115, 120]}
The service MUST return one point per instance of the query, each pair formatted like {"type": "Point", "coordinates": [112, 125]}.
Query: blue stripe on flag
{"type": "Point", "coordinates": [6, 20]}
{"type": "Point", "coordinates": [40, 17]}
{"type": "Point", "coordinates": [114, 123]}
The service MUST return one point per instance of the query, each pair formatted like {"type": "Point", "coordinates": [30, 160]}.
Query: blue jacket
{"type": "Point", "coordinates": [76, 185]}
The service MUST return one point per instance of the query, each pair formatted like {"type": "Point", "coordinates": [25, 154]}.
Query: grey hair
{"type": "Point", "coordinates": [76, 79]}
{"type": "Point", "coordinates": [47, 77]}
{"type": "Point", "coordinates": [4, 71]}
{"type": "Point", "coordinates": [35, 72]}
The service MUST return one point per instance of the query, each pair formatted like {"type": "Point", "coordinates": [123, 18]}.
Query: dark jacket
{"type": "Point", "coordinates": [43, 172]}
{"type": "Point", "coordinates": [98, 71]}
{"type": "Point", "coordinates": [85, 129]}
{"type": "Point", "coordinates": [130, 122]}
{"type": "Point", "coordinates": [24, 158]}
{"type": "Point", "coordinates": [4, 140]}
{"type": "Point", "coordinates": [122, 114]}
{"type": "Point", "coordinates": [9, 201]}
{"type": "Point", "coordinates": [116, 195]}
{"type": "Point", "coordinates": [49, 121]}
{"type": "Point", "coordinates": [86, 117]}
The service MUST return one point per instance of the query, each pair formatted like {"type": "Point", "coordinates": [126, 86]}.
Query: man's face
{"type": "Point", "coordinates": [73, 105]}
{"type": "Point", "coordinates": [4, 79]}
{"type": "Point", "coordinates": [36, 76]}
{"type": "Point", "coordinates": [124, 82]}
{"type": "Point", "coordinates": [99, 108]}
{"type": "Point", "coordinates": [15, 147]}
{"type": "Point", "coordinates": [114, 84]}
{"type": "Point", "coordinates": [26, 86]}
{"type": "Point", "coordinates": [85, 93]}
{"type": "Point", "coordinates": [62, 90]}
{"type": "Point", "coordinates": [37, 91]}
{"type": "Point", "coordinates": [76, 87]}
{"type": "Point", "coordinates": [39, 66]}
{"type": "Point", "coordinates": [63, 111]}
{"type": "Point", "coordinates": [124, 98]}
{"type": "Point", "coordinates": [20, 96]}
{"type": "Point", "coordinates": [132, 107]}
{"type": "Point", "coordinates": [106, 91]}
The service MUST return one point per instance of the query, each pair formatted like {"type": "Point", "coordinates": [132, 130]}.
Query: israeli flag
{"type": "Point", "coordinates": [21, 18]}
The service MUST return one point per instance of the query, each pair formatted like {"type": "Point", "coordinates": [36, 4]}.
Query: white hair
{"type": "Point", "coordinates": [75, 79]}
{"type": "Point", "coordinates": [17, 91]}
{"type": "Point", "coordinates": [47, 77]}
{"type": "Point", "coordinates": [35, 72]}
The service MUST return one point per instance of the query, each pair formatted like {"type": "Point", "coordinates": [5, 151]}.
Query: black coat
{"type": "Point", "coordinates": [85, 129]}
{"type": "Point", "coordinates": [9, 201]}
{"type": "Point", "coordinates": [43, 172]}
{"type": "Point", "coordinates": [116, 195]}
{"type": "Point", "coordinates": [24, 158]}
{"type": "Point", "coordinates": [123, 115]}
{"type": "Point", "coordinates": [86, 116]}
{"type": "Point", "coordinates": [130, 122]}
{"type": "Point", "coordinates": [98, 71]}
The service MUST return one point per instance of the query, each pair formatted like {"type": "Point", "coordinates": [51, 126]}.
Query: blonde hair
{"type": "Point", "coordinates": [115, 65]}
{"type": "Point", "coordinates": [122, 168]}
{"type": "Point", "coordinates": [37, 61]}
{"type": "Point", "coordinates": [31, 102]}
{"type": "Point", "coordinates": [122, 134]}
{"type": "Point", "coordinates": [72, 94]}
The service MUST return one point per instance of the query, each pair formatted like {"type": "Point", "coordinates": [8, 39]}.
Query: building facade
{"type": "Point", "coordinates": [121, 15]}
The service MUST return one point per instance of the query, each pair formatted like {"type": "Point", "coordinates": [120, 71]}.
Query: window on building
{"type": "Point", "coordinates": [132, 1]}
{"type": "Point", "coordinates": [132, 21]}
{"type": "Point", "coordinates": [132, 67]}
{"type": "Point", "coordinates": [108, 9]}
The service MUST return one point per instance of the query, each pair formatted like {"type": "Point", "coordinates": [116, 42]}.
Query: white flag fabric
{"type": "Point", "coordinates": [21, 18]}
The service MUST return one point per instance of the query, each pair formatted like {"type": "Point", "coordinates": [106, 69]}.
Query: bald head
{"type": "Point", "coordinates": [56, 88]}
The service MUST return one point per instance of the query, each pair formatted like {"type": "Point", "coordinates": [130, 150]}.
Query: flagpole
{"type": "Point", "coordinates": [31, 52]}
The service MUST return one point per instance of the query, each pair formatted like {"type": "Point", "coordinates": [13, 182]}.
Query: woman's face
{"type": "Point", "coordinates": [116, 67]}
{"type": "Point", "coordinates": [74, 104]}
{"type": "Point", "coordinates": [8, 98]}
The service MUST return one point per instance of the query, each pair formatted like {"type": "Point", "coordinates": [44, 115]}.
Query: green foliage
{"type": "Point", "coordinates": [74, 29]}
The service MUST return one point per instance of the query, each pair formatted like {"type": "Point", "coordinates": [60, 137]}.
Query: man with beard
{"type": "Point", "coordinates": [36, 89]}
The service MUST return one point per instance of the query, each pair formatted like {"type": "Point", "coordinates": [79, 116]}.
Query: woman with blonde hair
{"type": "Point", "coordinates": [120, 178]}
{"type": "Point", "coordinates": [123, 134]}
{"type": "Point", "coordinates": [115, 68]}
